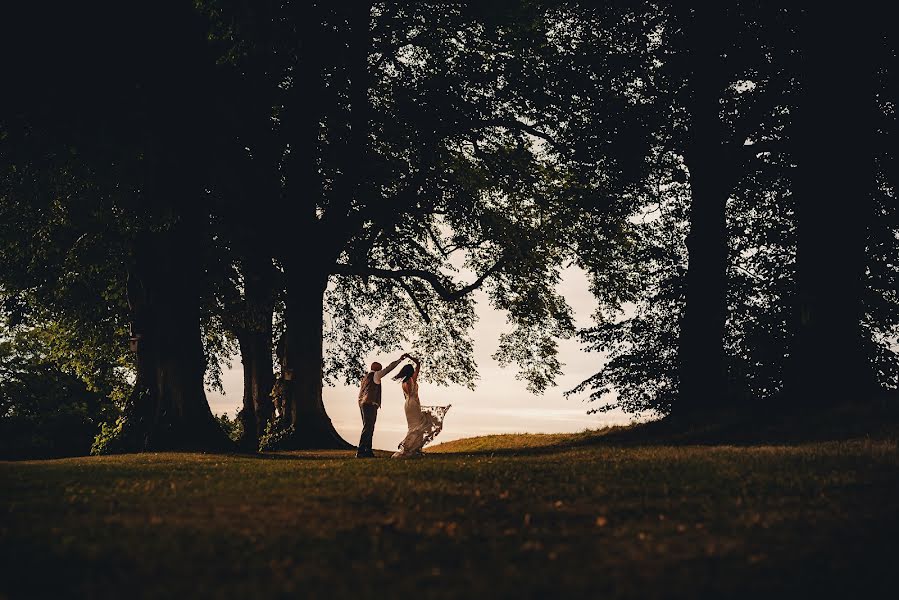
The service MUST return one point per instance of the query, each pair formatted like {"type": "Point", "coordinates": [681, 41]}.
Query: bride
{"type": "Point", "coordinates": [425, 422]}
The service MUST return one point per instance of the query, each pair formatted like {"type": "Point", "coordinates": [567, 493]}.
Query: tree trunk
{"type": "Point", "coordinates": [258, 379]}
{"type": "Point", "coordinates": [255, 339]}
{"type": "Point", "coordinates": [168, 409]}
{"type": "Point", "coordinates": [702, 365]}
{"type": "Point", "coordinates": [834, 204]}
{"type": "Point", "coordinates": [309, 256]}
{"type": "Point", "coordinates": [302, 366]}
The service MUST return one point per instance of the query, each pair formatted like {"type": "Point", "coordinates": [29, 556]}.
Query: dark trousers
{"type": "Point", "coordinates": [369, 416]}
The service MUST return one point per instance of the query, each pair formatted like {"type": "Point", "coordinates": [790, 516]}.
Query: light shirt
{"type": "Point", "coordinates": [386, 370]}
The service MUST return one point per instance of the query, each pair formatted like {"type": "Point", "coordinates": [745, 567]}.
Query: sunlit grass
{"type": "Point", "coordinates": [505, 516]}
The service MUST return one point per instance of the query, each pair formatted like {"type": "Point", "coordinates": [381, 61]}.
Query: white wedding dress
{"type": "Point", "coordinates": [425, 422]}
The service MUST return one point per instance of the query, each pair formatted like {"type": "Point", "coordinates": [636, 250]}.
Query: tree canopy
{"type": "Point", "coordinates": [305, 183]}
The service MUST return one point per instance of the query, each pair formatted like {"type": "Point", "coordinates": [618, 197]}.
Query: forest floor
{"type": "Point", "coordinates": [517, 516]}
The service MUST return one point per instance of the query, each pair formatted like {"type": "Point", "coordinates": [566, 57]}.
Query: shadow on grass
{"type": "Point", "coordinates": [877, 419]}
{"type": "Point", "coordinates": [299, 455]}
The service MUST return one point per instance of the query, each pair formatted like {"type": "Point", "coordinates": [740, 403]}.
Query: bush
{"type": "Point", "coordinates": [276, 433]}
{"type": "Point", "coordinates": [44, 411]}
{"type": "Point", "coordinates": [233, 428]}
{"type": "Point", "coordinates": [110, 440]}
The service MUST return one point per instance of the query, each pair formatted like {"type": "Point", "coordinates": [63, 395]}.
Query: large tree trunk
{"type": "Point", "coordinates": [834, 203]}
{"type": "Point", "coordinates": [302, 364]}
{"type": "Point", "coordinates": [168, 409]}
{"type": "Point", "coordinates": [309, 256]}
{"type": "Point", "coordinates": [702, 364]}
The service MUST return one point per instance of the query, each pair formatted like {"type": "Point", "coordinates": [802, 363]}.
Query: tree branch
{"type": "Point", "coordinates": [436, 241]}
{"type": "Point", "coordinates": [517, 125]}
{"type": "Point", "coordinates": [436, 281]}
{"type": "Point", "coordinates": [418, 306]}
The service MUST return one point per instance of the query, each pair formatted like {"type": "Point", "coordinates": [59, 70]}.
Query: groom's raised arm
{"type": "Point", "coordinates": [388, 369]}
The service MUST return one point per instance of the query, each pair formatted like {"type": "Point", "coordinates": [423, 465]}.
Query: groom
{"type": "Point", "coordinates": [370, 402]}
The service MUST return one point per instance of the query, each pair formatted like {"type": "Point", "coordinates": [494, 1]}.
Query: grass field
{"type": "Point", "coordinates": [503, 516]}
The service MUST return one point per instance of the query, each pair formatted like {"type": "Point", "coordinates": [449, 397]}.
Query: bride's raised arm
{"type": "Point", "coordinates": [417, 367]}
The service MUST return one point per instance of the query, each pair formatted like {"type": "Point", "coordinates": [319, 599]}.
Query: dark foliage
{"type": "Point", "coordinates": [45, 411]}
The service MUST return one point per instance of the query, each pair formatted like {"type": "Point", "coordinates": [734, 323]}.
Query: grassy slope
{"type": "Point", "coordinates": [509, 516]}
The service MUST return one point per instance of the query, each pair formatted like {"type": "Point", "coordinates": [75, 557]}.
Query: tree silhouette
{"type": "Point", "coordinates": [395, 153]}
{"type": "Point", "coordinates": [836, 149]}
{"type": "Point", "coordinates": [713, 73]}
{"type": "Point", "coordinates": [357, 155]}
{"type": "Point", "coordinates": [120, 163]}
{"type": "Point", "coordinates": [758, 115]}
{"type": "Point", "coordinates": [309, 183]}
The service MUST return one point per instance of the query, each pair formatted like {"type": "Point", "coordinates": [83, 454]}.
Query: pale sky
{"type": "Point", "coordinates": [499, 404]}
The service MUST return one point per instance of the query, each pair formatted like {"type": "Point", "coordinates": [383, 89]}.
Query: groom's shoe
{"type": "Point", "coordinates": [365, 454]}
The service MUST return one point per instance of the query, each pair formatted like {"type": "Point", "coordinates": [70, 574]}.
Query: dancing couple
{"type": "Point", "coordinates": [424, 422]}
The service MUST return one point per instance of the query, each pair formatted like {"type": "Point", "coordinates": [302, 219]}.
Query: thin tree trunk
{"type": "Point", "coordinates": [258, 379]}
{"type": "Point", "coordinates": [703, 370]}
{"type": "Point", "coordinates": [834, 193]}
{"type": "Point", "coordinates": [255, 339]}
